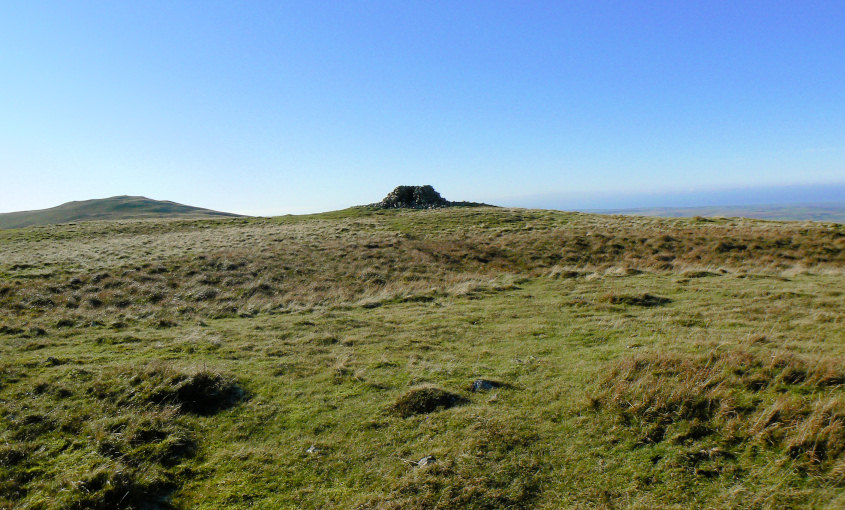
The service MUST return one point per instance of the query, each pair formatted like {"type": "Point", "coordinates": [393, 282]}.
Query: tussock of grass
{"type": "Point", "coordinates": [425, 399]}
{"type": "Point", "coordinates": [117, 437]}
{"type": "Point", "coordinates": [734, 399]}
{"type": "Point", "coordinates": [692, 273]}
{"type": "Point", "coordinates": [196, 390]}
{"type": "Point", "coordinates": [494, 468]}
{"type": "Point", "coordinates": [564, 272]}
{"type": "Point", "coordinates": [645, 299]}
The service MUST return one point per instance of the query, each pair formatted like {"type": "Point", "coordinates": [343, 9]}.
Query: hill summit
{"type": "Point", "coordinates": [114, 208]}
{"type": "Point", "coordinates": [417, 197]}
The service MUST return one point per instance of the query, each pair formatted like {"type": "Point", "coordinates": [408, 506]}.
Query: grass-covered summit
{"type": "Point", "coordinates": [114, 208]}
{"type": "Point", "coordinates": [334, 360]}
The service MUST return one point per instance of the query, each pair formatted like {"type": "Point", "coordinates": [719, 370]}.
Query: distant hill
{"type": "Point", "coordinates": [114, 208]}
{"type": "Point", "coordinates": [831, 212]}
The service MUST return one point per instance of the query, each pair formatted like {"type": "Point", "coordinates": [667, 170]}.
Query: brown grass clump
{"type": "Point", "coordinates": [692, 273]}
{"type": "Point", "coordinates": [425, 399]}
{"type": "Point", "coordinates": [734, 399]}
{"type": "Point", "coordinates": [645, 299]}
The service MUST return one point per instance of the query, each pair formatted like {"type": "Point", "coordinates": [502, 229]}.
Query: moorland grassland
{"type": "Point", "coordinates": [313, 361]}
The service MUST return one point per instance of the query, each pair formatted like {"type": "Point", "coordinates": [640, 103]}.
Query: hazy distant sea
{"type": "Point", "coordinates": [825, 195]}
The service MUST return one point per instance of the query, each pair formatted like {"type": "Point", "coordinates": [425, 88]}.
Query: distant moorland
{"type": "Point", "coordinates": [114, 208]}
{"type": "Point", "coordinates": [833, 212]}
{"type": "Point", "coordinates": [443, 358]}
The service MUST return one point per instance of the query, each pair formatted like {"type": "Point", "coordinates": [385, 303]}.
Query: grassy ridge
{"type": "Point", "coordinates": [313, 361]}
{"type": "Point", "coordinates": [106, 209]}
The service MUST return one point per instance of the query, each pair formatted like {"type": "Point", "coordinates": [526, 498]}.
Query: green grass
{"type": "Point", "coordinates": [629, 381]}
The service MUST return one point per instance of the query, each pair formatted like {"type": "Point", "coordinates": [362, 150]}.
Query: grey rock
{"type": "Point", "coordinates": [413, 197]}
{"type": "Point", "coordinates": [484, 385]}
{"type": "Point", "coordinates": [426, 461]}
{"type": "Point", "coordinates": [417, 197]}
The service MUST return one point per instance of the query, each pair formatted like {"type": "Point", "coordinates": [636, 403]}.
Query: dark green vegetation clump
{"type": "Point", "coordinates": [630, 362]}
{"type": "Point", "coordinates": [424, 400]}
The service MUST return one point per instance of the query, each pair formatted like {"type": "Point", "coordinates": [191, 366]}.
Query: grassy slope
{"type": "Point", "coordinates": [114, 208]}
{"type": "Point", "coordinates": [800, 212]}
{"type": "Point", "coordinates": [728, 394]}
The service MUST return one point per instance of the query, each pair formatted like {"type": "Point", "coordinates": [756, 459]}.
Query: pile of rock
{"type": "Point", "coordinates": [413, 197]}
{"type": "Point", "coordinates": [417, 197]}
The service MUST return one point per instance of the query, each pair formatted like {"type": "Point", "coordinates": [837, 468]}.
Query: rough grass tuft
{"type": "Point", "coordinates": [647, 300]}
{"type": "Point", "coordinates": [734, 398]}
{"type": "Point", "coordinates": [121, 437]}
{"type": "Point", "coordinates": [193, 390]}
{"type": "Point", "coordinates": [425, 399]}
{"type": "Point", "coordinates": [464, 478]}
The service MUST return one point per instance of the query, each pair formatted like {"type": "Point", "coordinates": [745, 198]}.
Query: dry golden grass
{"type": "Point", "coordinates": [162, 273]}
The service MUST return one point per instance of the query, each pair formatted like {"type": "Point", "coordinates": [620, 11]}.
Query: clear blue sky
{"type": "Point", "coordinates": [277, 107]}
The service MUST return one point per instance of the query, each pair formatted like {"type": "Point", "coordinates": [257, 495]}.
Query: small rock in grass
{"type": "Point", "coordinates": [312, 449]}
{"type": "Point", "coordinates": [426, 461]}
{"type": "Point", "coordinates": [485, 385]}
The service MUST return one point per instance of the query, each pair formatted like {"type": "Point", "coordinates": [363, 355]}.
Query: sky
{"type": "Point", "coordinates": [290, 107]}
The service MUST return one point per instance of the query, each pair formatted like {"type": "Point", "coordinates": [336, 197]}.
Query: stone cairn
{"type": "Point", "coordinates": [413, 197]}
